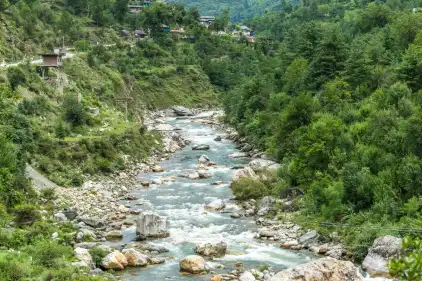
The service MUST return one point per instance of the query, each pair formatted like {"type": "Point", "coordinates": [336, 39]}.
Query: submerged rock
{"type": "Point", "coordinates": [152, 225]}
{"type": "Point", "coordinates": [326, 269]}
{"type": "Point", "coordinates": [215, 205]}
{"type": "Point", "coordinates": [193, 264]}
{"type": "Point", "coordinates": [201, 147]}
{"type": "Point", "coordinates": [212, 249]}
{"type": "Point", "coordinates": [218, 138]}
{"type": "Point", "coordinates": [382, 251]}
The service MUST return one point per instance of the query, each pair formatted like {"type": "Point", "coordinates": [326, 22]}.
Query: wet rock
{"type": "Point", "coordinates": [135, 258]}
{"type": "Point", "coordinates": [235, 215]}
{"type": "Point", "coordinates": [84, 256]}
{"type": "Point", "coordinates": [246, 172]}
{"type": "Point", "coordinates": [201, 147]}
{"type": "Point", "coordinates": [148, 247]}
{"type": "Point", "coordinates": [237, 167]}
{"type": "Point", "coordinates": [114, 235]}
{"type": "Point", "coordinates": [182, 111]}
{"type": "Point", "coordinates": [157, 181]}
{"type": "Point", "coordinates": [203, 175]}
{"type": "Point", "coordinates": [194, 176]}
{"type": "Point", "coordinates": [290, 244]}
{"type": "Point", "coordinates": [193, 264]}
{"type": "Point", "coordinates": [382, 251]}
{"type": "Point", "coordinates": [211, 164]}
{"type": "Point", "coordinates": [326, 269]}
{"type": "Point", "coordinates": [152, 225]}
{"type": "Point", "coordinates": [145, 184]}
{"type": "Point", "coordinates": [131, 197]}
{"type": "Point", "coordinates": [262, 165]}
{"type": "Point", "coordinates": [157, 169]}
{"type": "Point", "coordinates": [218, 138]}
{"type": "Point", "coordinates": [211, 249]}
{"type": "Point", "coordinates": [157, 260]}
{"type": "Point", "coordinates": [203, 159]}
{"type": "Point", "coordinates": [115, 261]}
{"type": "Point", "coordinates": [215, 205]}
{"type": "Point", "coordinates": [217, 183]}
{"type": "Point", "coordinates": [238, 155]}
{"type": "Point", "coordinates": [92, 221]}
{"type": "Point", "coordinates": [246, 276]}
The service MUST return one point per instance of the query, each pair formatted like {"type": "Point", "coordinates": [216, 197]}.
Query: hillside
{"type": "Point", "coordinates": [239, 9]}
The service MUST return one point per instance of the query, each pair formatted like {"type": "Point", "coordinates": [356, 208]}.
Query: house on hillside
{"type": "Point", "coordinates": [140, 33]}
{"type": "Point", "coordinates": [52, 60]}
{"type": "Point", "coordinates": [136, 7]}
{"type": "Point", "coordinates": [178, 32]}
{"type": "Point", "coordinates": [206, 20]}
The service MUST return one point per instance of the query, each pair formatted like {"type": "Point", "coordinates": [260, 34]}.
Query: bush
{"type": "Point", "coordinates": [16, 77]}
{"type": "Point", "coordinates": [48, 194]}
{"type": "Point", "coordinates": [13, 268]}
{"type": "Point", "coordinates": [48, 253]}
{"type": "Point", "coordinates": [35, 106]}
{"type": "Point", "coordinates": [74, 112]}
{"type": "Point", "coordinates": [61, 129]}
{"type": "Point", "coordinates": [26, 214]}
{"type": "Point", "coordinates": [248, 188]}
{"type": "Point", "coordinates": [97, 255]}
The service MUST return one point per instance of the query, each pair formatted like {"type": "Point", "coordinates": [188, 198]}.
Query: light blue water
{"type": "Point", "coordinates": [183, 202]}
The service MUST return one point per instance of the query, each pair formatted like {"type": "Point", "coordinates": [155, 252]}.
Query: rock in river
{"type": "Point", "coordinates": [246, 172]}
{"type": "Point", "coordinates": [193, 264]}
{"type": "Point", "coordinates": [326, 269]}
{"type": "Point", "coordinates": [215, 205]}
{"type": "Point", "coordinates": [201, 147]}
{"type": "Point", "coordinates": [382, 251]}
{"type": "Point", "coordinates": [152, 225]}
{"type": "Point", "coordinates": [261, 165]}
{"type": "Point", "coordinates": [135, 258]}
{"type": "Point", "coordinates": [115, 261]}
{"type": "Point", "coordinates": [211, 249]}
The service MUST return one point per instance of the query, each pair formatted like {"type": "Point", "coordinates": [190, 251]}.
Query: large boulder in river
{"type": "Point", "coordinates": [382, 251]}
{"type": "Point", "coordinates": [182, 111]}
{"type": "Point", "coordinates": [262, 165]}
{"type": "Point", "coordinates": [152, 225]}
{"type": "Point", "coordinates": [215, 205]}
{"type": "Point", "coordinates": [211, 249]}
{"type": "Point", "coordinates": [193, 264]}
{"type": "Point", "coordinates": [246, 172]}
{"type": "Point", "coordinates": [201, 147]}
{"type": "Point", "coordinates": [326, 269]}
{"type": "Point", "coordinates": [135, 258]}
{"type": "Point", "coordinates": [115, 261]}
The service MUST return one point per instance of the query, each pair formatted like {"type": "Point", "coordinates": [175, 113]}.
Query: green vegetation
{"type": "Point", "coordinates": [408, 265]}
{"type": "Point", "coordinates": [331, 90]}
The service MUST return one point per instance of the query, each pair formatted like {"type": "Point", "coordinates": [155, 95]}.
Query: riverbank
{"type": "Point", "coordinates": [178, 203]}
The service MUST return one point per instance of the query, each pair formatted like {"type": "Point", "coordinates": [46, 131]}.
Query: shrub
{"type": "Point", "coordinates": [48, 194]}
{"type": "Point", "coordinates": [97, 255]}
{"type": "Point", "coordinates": [26, 214]}
{"type": "Point", "coordinates": [16, 77]}
{"type": "Point", "coordinates": [13, 268]}
{"type": "Point", "coordinates": [61, 129]}
{"type": "Point", "coordinates": [48, 253]}
{"type": "Point", "coordinates": [35, 106]}
{"type": "Point", "coordinates": [74, 112]}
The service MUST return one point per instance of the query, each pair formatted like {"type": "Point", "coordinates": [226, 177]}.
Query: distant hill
{"type": "Point", "coordinates": [239, 9]}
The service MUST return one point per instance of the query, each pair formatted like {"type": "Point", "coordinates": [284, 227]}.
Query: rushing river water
{"type": "Point", "coordinates": [183, 203]}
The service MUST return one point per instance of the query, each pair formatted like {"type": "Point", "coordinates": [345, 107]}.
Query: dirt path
{"type": "Point", "coordinates": [38, 180]}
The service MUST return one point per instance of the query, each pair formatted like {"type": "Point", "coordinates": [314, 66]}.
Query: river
{"type": "Point", "coordinates": [182, 201]}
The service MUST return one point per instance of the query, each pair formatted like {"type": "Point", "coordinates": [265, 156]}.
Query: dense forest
{"type": "Point", "coordinates": [240, 9]}
{"type": "Point", "coordinates": [330, 89]}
